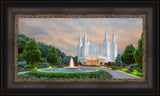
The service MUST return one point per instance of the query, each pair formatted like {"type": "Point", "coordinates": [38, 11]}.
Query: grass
{"type": "Point", "coordinates": [98, 74]}
{"type": "Point", "coordinates": [29, 69]}
{"type": "Point", "coordinates": [132, 72]}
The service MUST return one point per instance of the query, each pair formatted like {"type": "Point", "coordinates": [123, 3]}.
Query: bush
{"type": "Point", "coordinates": [59, 65]}
{"type": "Point", "coordinates": [114, 66]}
{"type": "Point", "coordinates": [40, 65]}
{"type": "Point", "coordinates": [98, 74]}
{"type": "Point", "coordinates": [22, 65]}
{"type": "Point", "coordinates": [20, 57]}
{"type": "Point", "coordinates": [46, 64]}
{"type": "Point", "coordinates": [43, 60]}
{"type": "Point", "coordinates": [29, 66]}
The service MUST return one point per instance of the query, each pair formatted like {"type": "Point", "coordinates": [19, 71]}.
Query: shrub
{"type": "Point", "coordinates": [98, 74]}
{"type": "Point", "coordinates": [59, 65]}
{"type": "Point", "coordinates": [22, 65]}
{"type": "Point", "coordinates": [43, 60]}
{"type": "Point", "coordinates": [114, 66]}
{"type": "Point", "coordinates": [109, 68]}
{"type": "Point", "coordinates": [46, 64]}
{"type": "Point", "coordinates": [29, 66]}
{"type": "Point", "coordinates": [20, 57]}
{"type": "Point", "coordinates": [41, 65]}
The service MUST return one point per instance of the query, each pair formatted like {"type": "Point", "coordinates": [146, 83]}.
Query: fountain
{"type": "Point", "coordinates": [71, 64]}
{"type": "Point", "coordinates": [70, 69]}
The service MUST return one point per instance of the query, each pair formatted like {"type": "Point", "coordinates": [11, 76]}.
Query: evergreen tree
{"type": "Point", "coordinates": [138, 52]}
{"type": "Point", "coordinates": [60, 59]}
{"type": "Point", "coordinates": [52, 56]}
{"type": "Point", "coordinates": [31, 53]}
{"type": "Point", "coordinates": [128, 55]}
{"type": "Point", "coordinates": [118, 58]}
{"type": "Point", "coordinates": [66, 60]}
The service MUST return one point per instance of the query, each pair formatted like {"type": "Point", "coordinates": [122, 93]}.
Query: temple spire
{"type": "Point", "coordinates": [84, 28]}
{"type": "Point", "coordinates": [106, 37]}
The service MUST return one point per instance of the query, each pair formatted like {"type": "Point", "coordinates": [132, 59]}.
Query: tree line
{"type": "Point", "coordinates": [32, 52]}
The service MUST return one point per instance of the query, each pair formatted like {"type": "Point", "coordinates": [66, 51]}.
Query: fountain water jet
{"type": "Point", "coordinates": [71, 64]}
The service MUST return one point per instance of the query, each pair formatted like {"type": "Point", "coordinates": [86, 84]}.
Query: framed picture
{"type": "Point", "coordinates": [90, 48]}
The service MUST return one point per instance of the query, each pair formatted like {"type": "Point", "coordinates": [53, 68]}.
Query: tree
{"type": "Point", "coordinates": [60, 59]}
{"type": "Point", "coordinates": [44, 49]}
{"type": "Point", "coordinates": [31, 53]}
{"type": "Point", "coordinates": [127, 56]}
{"type": "Point", "coordinates": [21, 45]}
{"type": "Point", "coordinates": [66, 60]}
{"type": "Point", "coordinates": [75, 58]}
{"type": "Point", "coordinates": [52, 56]}
{"type": "Point", "coordinates": [138, 52]}
{"type": "Point", "coordinates": [118, 59]}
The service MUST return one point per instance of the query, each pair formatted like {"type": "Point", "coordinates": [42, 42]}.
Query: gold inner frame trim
{"type": "Point", "coordinates": [17, 16]}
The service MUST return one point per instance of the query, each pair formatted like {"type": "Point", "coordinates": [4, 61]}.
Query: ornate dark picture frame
{"type": "Point", "coordinates": [11, 11]}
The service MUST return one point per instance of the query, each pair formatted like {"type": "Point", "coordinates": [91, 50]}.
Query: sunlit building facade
{"type": "Point", "coordinates": [96, 54]}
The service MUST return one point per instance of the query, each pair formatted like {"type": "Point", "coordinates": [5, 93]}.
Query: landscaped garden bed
{"type": "Point", "coordinates": [133, 72]}
{"type": "Point", "coordinates": [98, 74]}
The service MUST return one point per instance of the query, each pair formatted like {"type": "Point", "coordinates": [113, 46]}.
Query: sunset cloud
{"type": "Point", "coordinates": [63, 33]}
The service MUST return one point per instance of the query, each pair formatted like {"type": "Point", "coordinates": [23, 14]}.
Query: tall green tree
{"type": "Point", "coordinates": [52, 56]}
{"type": "Point", "coordinates": [128, 55]}
{"type": "Point", "coordinates": [44, 49]}
{"type": "Point", "coordinates": [21, 45]}
{"type": "Point", "coordinates": [31, 53]}
{"type": "Point", "coordinates": [138, 52]}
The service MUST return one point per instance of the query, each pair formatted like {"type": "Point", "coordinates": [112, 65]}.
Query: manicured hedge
{"type": "Point", "coordinates": [98, 74]}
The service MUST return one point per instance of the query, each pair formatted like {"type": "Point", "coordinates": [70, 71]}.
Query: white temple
{"type": "Point", "coordinates": [96, 54]}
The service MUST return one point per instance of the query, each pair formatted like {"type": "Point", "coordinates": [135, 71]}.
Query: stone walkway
{"type": "Point", "coordinates": [19, 73]}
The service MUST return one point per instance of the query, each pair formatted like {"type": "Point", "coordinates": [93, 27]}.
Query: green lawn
{"type": "Point", "coordinates": [132, 72]}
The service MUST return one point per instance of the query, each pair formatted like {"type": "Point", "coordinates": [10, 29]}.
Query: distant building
{"type": "Point", "coordinates": [96, 54]}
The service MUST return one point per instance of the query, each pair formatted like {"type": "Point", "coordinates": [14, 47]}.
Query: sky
{"type": "Point", "coordinates": [63, 33]}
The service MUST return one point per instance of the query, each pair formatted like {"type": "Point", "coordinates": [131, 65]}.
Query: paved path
{"type": "Point", "coordinates": [19, 73]}
{"type": "Point", "coordinates": [115, 73]}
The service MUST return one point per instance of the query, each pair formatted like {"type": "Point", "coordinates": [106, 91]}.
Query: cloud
{"type": "Point", "coordinates": [63, 33]}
